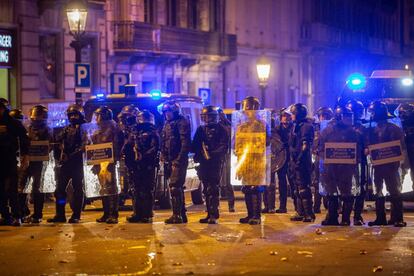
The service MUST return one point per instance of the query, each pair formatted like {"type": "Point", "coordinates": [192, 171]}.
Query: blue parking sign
{"type": "Point", "coordinates": [82, 78]}
{"type": "Point", "coordinates": [118, 81]}
{"type": "Point", "coordinates": [205, 95]}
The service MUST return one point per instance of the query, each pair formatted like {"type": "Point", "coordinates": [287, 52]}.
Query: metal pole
{"type": "Point", "coordinates": [77, 45]}
{"type": "Point", "coordinates": [263, 95]}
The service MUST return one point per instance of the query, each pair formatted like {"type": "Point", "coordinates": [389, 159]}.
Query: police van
{"type": "Point", "coordinates": [191, 107]}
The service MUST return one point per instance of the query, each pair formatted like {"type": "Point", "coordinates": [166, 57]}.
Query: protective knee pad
{"type": "Point", "coordinates": [305, 193]}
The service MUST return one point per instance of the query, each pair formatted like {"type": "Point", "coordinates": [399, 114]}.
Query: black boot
{"type": "Point", "coordinates": [205, 220]}
{"type": "Point", "coordinates": [148, 206]}
{"type": "Point", "coordinates": [257, 206]}
{"type": "Point", "coordinates": [347, 204]}
{"type": "Point", "coordinates": [299, 210]}
{"type": "Point", "coordinates": [271, 199]}
{"type": "Point", "coordinates": [381, 218]}
{"type": "Point", "coordinates": [332, 215]}
{"type": "Point", "coordinates": [77, 205]}
{"type": "Point", "coordinates": [38, 201]}
{"type": "Point", "coordinates": [25, 212]}
{"type": "Point", "coordinates": [137, 210]}
{"type": "Point", "coordinates": [397, 212]}
{"type": "Point", "coordinates": [113, 210]}
{"type": "Point", "coordinates": [231, 206]}
{"type": "Point", "coordinates": [183, 209]}
{"type": "Point", "coordinates": [307, 204]}
{"type": "Point", "coordinates": [249, 207]}
{"type": "Point", "coordinates": [358, 208]}
{"type": "Point", "coordinates": [105, 206]}
{"type": "Point", "coordinates": [60, 216]}
{"type": "Point", "coordinates": [282, 207]}
{"type": "Point", "coordinates": [213, 212]}
{"type": "Point", "coordinates": [177, 205]}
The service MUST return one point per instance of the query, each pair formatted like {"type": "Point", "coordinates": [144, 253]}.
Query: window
{"type": "Point", "coordinates": [149, 11]}
{"type": "Point", "coordinates": [214, 15]}
{"type": "Point", "coordinates": [191, 88]}
{"type": "Point", "coordinates": [170, 86]}
{"type": "Point", "coordinates": [172, 12]}
{"type": "Point", "coordinates": [48, 72]}
{"type": "Point", "coordinates": [192, 14]}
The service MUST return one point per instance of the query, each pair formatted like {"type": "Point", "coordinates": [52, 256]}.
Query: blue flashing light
{"type": "Point", "coordinates": [407, 82]}
{"type": "Point", "coordinates": [155, 94]}
{"type": "Point", "coordinates": [356, 81]}
{"type": "Point", "coordinates": [100, 95]}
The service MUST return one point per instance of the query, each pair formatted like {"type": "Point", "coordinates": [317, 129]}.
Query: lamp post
{"type": "Point", "coordinates": [263, 72]}
{"type": "Point", "coordinates": [77, 12]}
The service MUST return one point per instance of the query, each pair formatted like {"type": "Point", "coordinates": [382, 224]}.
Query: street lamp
{"type": "Point", "coordinates": [77, 12]}
{"type": "Point", "coordinates": [263, 72]}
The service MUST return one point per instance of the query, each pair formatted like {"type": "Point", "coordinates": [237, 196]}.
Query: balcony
{"type": "Point", "coordinates": [137, 37]}
{"type": "Point", "coordinates": [320, 36]}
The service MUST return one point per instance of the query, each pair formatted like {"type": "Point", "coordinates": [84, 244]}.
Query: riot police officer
{"type": "Point", "coordinates": [69, 168]}
{"type": "Point", "coordinates": [107, 132]}
{"type": "Point", "coordinates": [210, 146]}
{"type": "Point", "coordinates": [225, 179]}
{"type": "Point", "coordinates": [176, 144]}
{"type": "Point", "coordinates": [127, 120]}
{"type": "Point", "coordinates": [406, 114]}
{"type": "Point", "coordinates": [300, 143]}
{"type": "Point", "coordinates": [23, 204]}
{"type": "Point", "coordinates": [357, 109]}
{"type": "Point", "coordinates": [144, 145]}
{"type": "Point", "coordinates": [338, 178]}
{"type": "Point", "coordinates": [13, 139]}
{"type": "Point", "coordinates": [253, 185]}
{"type": "Point", "coordinates": [38, 131]}
{"type": "Point", "coordinates": [324, 115]}
{"type": "Point", "coordinates": [283, 130]}
{"type": "Point", "coordinates": [385, 131]}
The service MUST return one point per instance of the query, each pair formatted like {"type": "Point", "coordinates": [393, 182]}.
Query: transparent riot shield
{"type": "Point", "coordinates": [251, 152]}
{"type": "Point", "coordinates": [338, 161]}
{"type": "Point", "coordinates": [100, 166]}
{"type": "Point", "coordinates": [41, 170]}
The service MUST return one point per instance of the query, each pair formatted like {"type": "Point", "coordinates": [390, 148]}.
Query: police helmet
{"type": "Point", "coordinates": [251, 103]}
{"type": "Point", "coordinates": [357, 108]}
{"type": "Point", "coordinates": [16, 114]}
{"type": "Point", "coordinates": [300, 111]}
{"type": "Point", "coordinates": [173, 107]}
{"type": "Point", "coordinates": [341, 113]}
{"type": "Point", "coordinates": [404, 111]}
{"type": "Point", "coordinates": [379, 111]}
{"type": "Point", "coordinates": [75, 109]}
{"type": "Point", "coordinates": [38, 113]}
{"type": "Point", "coordinates": [209, 114]}
{"type": "Point", "coordinates": [130, 109]}
{"type": "Point", "coordinates": [145, 116]}
{"type": "Point", "coordinates": [325, 111]}
{"type": "Point", "coordinates": [105, 113]}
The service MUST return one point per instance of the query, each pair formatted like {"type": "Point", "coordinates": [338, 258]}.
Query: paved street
{"type": "Point", "coordinates": [275, 247]}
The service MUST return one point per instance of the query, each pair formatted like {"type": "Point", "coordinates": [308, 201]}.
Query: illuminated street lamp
{"type": "Point", "coordinates": [263, 72]}
{"type": "Point", "coordinates": [77, 12]}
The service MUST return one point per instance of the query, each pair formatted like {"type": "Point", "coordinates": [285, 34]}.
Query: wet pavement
{"type": "Point", "coordinates": [278, 246]}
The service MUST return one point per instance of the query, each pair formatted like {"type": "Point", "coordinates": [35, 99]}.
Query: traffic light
{"type": "Point", "coordinates": [356, 81]}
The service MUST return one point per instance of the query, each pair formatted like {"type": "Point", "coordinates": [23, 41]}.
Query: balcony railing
{"type": "Point", "coordinates": [142, 37]}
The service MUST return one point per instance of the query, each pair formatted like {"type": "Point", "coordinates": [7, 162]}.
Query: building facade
{"type": "Point", "coordinates": [182, 46]}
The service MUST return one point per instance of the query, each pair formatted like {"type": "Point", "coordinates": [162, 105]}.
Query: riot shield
{"type": "Point", "coordinates": [338, 162]}
{"type": "Point", "coordinates": [278, 153]}
{"type": "Point", "coordinates": [100, 166]}
{"type": "Point", "coordinates": [42, 164]}
{"type": "Point", "coordinates": [251, 153]}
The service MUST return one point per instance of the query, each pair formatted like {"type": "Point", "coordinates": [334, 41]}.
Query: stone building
{"type": "Point", "coordinates": [181, 46]}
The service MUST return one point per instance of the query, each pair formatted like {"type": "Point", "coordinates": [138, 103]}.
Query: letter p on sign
{"type": "Point", "coordinates": [82, 78]}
